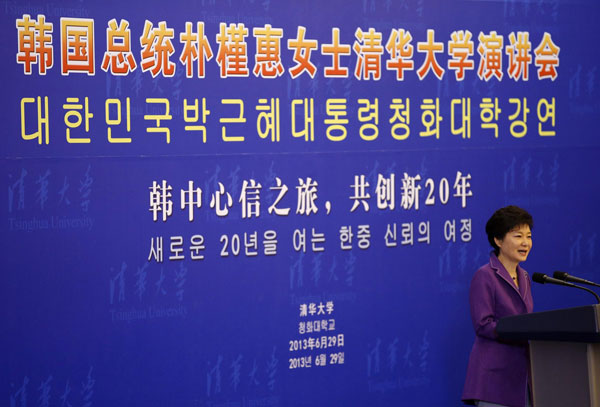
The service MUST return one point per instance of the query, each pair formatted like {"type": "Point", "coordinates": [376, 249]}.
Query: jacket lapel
{"type": "Point", "coordinates": [504, 275]}
{"type": "Point", "coordinates": [523, 281]}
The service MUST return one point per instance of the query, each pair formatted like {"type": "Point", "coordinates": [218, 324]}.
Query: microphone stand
{"type": "Point", "coordinates": [589, 291]}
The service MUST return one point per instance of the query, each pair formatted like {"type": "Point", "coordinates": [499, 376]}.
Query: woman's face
{"type": "Point", "coordinates": [516, 244]}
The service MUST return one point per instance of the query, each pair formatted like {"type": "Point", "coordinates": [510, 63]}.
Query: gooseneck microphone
{"type": "Point", "coordinates": [543, 279]}
{"type": "Point", "coordinates": [561, 275]}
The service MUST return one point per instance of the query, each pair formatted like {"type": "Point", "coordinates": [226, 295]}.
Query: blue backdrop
{"type": "Point", "coordinates": [175, 239]}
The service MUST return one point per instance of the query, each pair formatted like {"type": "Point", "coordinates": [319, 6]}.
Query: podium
{"type": "Point", "coordinates": [564, 348]}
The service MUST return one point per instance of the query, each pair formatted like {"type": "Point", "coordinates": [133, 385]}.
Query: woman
{"type": "Point", "coordinates": [497, 374]}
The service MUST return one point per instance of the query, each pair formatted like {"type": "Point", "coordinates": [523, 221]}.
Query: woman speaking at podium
{"type": "Point", "coordinates": [497, 374]}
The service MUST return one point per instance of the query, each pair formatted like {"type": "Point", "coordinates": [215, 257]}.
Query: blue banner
{"type": "Point", "coordinates": [256, 203]}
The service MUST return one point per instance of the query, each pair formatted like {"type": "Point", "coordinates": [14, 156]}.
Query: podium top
{"type": "Point", "coordinates": [578, 324]}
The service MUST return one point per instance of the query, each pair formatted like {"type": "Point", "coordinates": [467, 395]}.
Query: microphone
{"type": "Point", "coordinates": [561, 275]}
{"type": "Point", "coordinates": [542, 279]}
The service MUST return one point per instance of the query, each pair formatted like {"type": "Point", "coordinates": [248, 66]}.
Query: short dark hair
{"type": "Point", "coordinates": [503, 221]}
